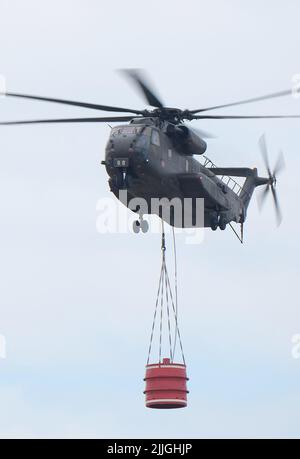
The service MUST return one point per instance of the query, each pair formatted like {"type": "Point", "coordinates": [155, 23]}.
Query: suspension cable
{"type": "Point", "coordinates": [164, 293]}
{"type": "Point", "coordinates": [176, 289]}
{"type": "Point", "coordinates": [176, 320]}
{"type": "Point", "coordinates": [169, 322]}
{"type": "Point", "coordinates": [155, 313]}
{"type": "Point", "coordinates": [161, 312]}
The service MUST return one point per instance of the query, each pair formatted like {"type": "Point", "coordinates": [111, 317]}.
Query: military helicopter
{"type": "Point", "coordinates": [154, 157]}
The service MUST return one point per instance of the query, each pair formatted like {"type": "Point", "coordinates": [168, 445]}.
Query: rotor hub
{"type": "Point", "coordinates": [174, 115]}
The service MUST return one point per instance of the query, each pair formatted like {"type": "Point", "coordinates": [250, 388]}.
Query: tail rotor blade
{"type": "Point", "coordinates": [280, 164]}
{"type": "Point", "coordinates": [271, 182]}
{"type": "Point", "coordinates": [264, 152]}
{"type": "Point", "coordinates": [262, 197]}
{"type": "Point", "coordinates": [277, 206]}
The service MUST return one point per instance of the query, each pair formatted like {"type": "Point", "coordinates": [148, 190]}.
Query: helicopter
{"type": "Point", "coordinates": [153, 157]}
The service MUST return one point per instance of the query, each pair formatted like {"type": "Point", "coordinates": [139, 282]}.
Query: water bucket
{"type": "Point", "coordinates": [166, 385]}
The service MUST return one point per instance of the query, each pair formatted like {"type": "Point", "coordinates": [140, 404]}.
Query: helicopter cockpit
{"type": "Point", "coordinates": [125, 131]}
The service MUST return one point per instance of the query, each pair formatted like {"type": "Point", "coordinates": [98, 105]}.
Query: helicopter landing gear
{"type": "Point", "coordinates": [214, 222]}
{"type": "Point", "coordinates": [222, 223]}
{"type": "Point", "coordinates": [214, 226]}
{"type": "Point", "coordinates": [139, 225]}
{"type": "Point", "coordinates": [136, 226]}
{"type": "Point", "coordinates": [218, 221]}
{"type": "Point", "coordinates": [124, 180]}
{"type": "Point", "coordinates": [121, 179]}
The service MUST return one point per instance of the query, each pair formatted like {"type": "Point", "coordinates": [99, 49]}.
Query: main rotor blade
{"type": "Point", "coordinates": [246, 101]}
{"type": "Point", "coordinates": [69, 120]}
{"type": "Point", "coordinates": [137, 77]}
{"type": "Point", "coordinates": [264, 153]}
{"type": "Point", "coordinates": [203, 134]}
{"type": "Point", "coordinates": [277, 207]}
{"type": "Point", "coordinates": [280, 164]}
{"type": "Point", "coordinates": [107, 108]}
{"type": "Point", "coordinates": [241, 117]}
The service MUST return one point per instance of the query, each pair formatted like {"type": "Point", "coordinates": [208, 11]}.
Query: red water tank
{"type": "Point", "coordinates": [166, 385]}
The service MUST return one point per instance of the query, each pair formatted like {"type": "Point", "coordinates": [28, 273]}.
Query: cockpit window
{"type": "Point", "coordinates": [155, 140]}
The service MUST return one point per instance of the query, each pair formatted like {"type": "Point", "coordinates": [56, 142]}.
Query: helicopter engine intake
{"type": "Point", "coordinates": [186, 140]}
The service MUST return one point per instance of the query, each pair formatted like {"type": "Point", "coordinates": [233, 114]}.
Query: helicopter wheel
{"type": "Point", "coordinates": [214, 223]}
{"type": "Point", "coordinates": [140, 225]}
{"type": "Point", "coordinates": [144, 226]}
{"type": "Point", "coordinates": [136, 226]}
{"type": "Point", "coordinates": [117, 179]}
{"type": "Point", "coordinates": [222, 224]}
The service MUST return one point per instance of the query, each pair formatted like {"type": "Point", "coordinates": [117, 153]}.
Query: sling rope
{"type": "Point", "coordinates": [176, 289]}
{"type": "Point", "coordinates": [164, 299]}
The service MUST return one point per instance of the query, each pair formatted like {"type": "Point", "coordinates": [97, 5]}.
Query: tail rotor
{"type": "Point", "coordinates": [272, 179]}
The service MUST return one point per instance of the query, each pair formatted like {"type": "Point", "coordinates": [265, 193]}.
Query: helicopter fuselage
{"type": "Point", "coordinates": [153, 158]}
{"type": "Point", "coordinates": [146, 162]}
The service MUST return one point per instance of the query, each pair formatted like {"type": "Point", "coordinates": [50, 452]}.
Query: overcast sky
{"type": "Point", "coordinates": [75, 305]}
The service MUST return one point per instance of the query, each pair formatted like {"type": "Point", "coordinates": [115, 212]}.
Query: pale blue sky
{"type": "Point", "coordinates": [76, 306]}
